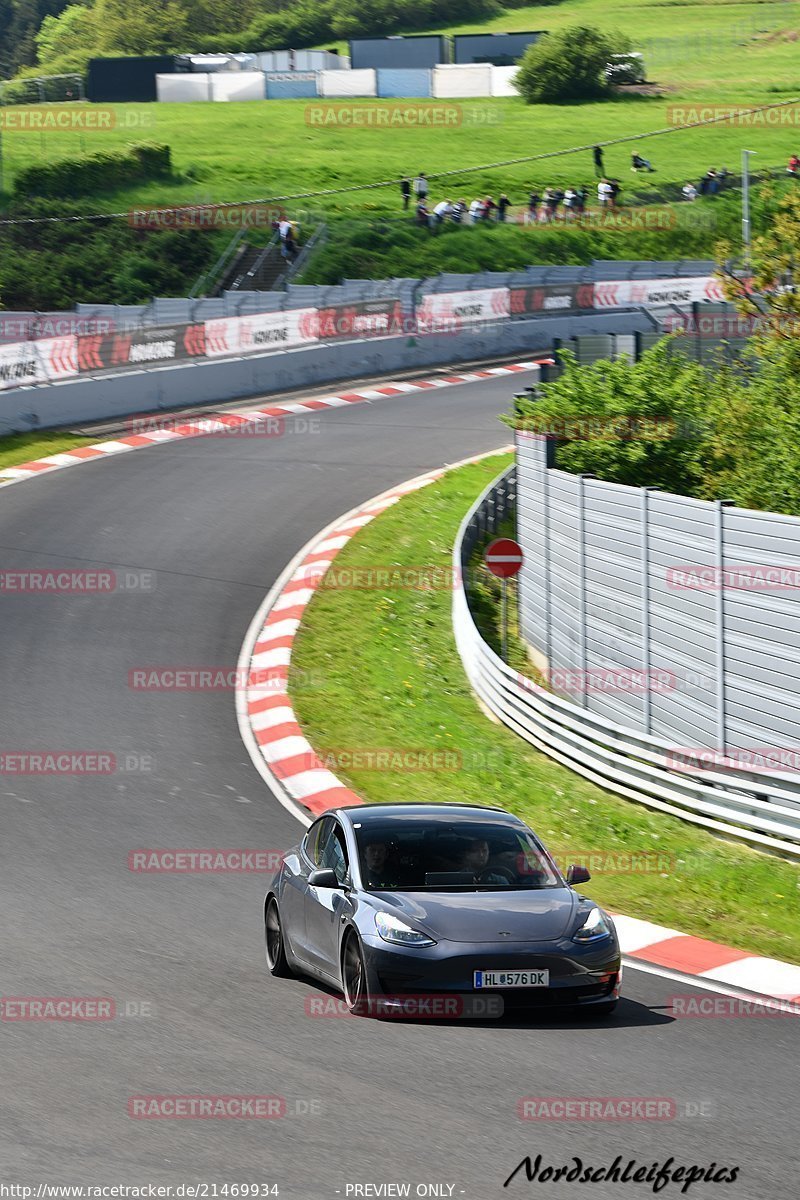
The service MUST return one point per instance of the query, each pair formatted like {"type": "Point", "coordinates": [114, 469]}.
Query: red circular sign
{"type": "Point", "coordinates": [503, 557]}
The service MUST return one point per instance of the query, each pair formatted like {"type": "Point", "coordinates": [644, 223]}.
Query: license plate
{"type": "Point", "coordinates": [511, 979]}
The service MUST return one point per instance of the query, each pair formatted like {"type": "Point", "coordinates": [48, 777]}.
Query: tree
{"type": "Point", "coordinates": [66, 42]}
{"type": "Point", "coordinates": [568, 65]}
{"type": "Point", "coordinates": [147, 27]}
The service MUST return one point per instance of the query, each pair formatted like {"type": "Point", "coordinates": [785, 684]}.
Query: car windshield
{"type": "Point", "coordinates": [415, 853]}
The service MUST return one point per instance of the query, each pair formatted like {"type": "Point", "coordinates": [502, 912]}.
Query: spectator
{"type": "Point", "coordinates": [597, 155]}
{"type": "Point", "coordinates": [689, 191]}
{"type": "Point", "coordinates": [288, 241]}
{"type": "Point", "coordinates": [442, 210]}
{"type": "Point", "coordinates": [405, 191]}
{"type": "Point", "coordinates": [604, 193]}
{"type": "Point", "coordinates": [421, 186]}
{"type": "Point", "coordinates": [793, 167]}
{"type": "Point", "coordinates": [476, 211]}
{"type": "Point", "coordinates": [640, 164]}
{"type": "Point", "coordinates": [503, 205]}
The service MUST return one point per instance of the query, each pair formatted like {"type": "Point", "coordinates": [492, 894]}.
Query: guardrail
{"type": "Point", "coordinates": [763, 809]}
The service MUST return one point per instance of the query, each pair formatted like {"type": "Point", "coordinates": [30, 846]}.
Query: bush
{"type": "Point", "coordinates": [568, 65]}
{"type": "Point", "coordinates": [53, 265]}
{"type": "Point", "coordinates": [95, 173]}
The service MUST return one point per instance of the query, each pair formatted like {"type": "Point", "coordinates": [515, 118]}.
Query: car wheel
{"type": "Point", "coordinates": [354, 976]}
{"type": "Point", "coordinates": [275, 948]}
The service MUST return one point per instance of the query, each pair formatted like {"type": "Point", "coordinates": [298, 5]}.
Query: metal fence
{"type": "Point", "coordinates": [675, 616]}
{"type": "Point", "coordinates": [763, 809]}
{"type": "Point", "coordinates": [565, 280]}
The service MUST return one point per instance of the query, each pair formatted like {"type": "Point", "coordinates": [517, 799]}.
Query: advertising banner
{"type": "Point", "coordinates": [261, 332]}
{"type": "Point", "coordinates": [650, 293]}
{"type": "Point", "coordinates": [42, 361]}
{"type": "Point", "coordinates": [368, 318]}
{"type": "Point", "coordinates": [551, 297]}
{"type": "Point", "coordinates": [450, 310]}
{"type": "Point", "coordinates": [140, 347]}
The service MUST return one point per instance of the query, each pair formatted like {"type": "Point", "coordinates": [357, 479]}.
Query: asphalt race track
{"type": "Point", "coordinates": [367, 1103]}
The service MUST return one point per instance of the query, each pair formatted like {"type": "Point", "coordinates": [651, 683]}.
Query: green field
{"type": "Point", "coordinates": [711, 53]}
{"type": "Point", "coordinates": [381, 671]}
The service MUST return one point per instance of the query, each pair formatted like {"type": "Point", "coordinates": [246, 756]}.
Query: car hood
{"type": "Point", "coordinates": [503, 917]}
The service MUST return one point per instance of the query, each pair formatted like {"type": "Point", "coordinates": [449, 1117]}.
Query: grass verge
{"type": "Point", "coordinates": [16, 448]}
{"type": "Point", "coordinates": [384, 672]}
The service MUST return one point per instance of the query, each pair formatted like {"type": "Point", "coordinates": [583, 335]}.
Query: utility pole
{"type": "Point", "coordinates": [746, 204]}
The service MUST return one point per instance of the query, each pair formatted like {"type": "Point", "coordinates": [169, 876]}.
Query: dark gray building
{"type": "Point", "coordinates": [502, 49]}
{"type": "Point", "coordinates": [424, 51]}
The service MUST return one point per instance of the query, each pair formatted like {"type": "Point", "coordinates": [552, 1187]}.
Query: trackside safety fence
{"type": "Point", "coordinates": [51, 347]}
{"type": "Point", "coordinates": [760, 807]}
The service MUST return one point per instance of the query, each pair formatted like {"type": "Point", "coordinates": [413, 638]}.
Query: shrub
{"type": "Point", "coordinates": [95, 173]}
{"type": "Point", "coordinates": [568, 65]}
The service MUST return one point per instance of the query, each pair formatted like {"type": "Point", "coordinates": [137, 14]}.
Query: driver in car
{"type": "Point", "coordinates": [475, 858]}
{"type": "Point", "coordinates": [378, 870]}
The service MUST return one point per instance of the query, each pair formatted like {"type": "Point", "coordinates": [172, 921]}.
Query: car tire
{"type": "Point", "coordinates": [275, 947]}
{"type": "Point", "coordinates": [354, 976]}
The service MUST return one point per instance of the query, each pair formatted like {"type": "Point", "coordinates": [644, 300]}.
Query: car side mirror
{"type": "Point", "coordinates": [324, 877]}
{"type": "Point", "coordinates": [577, 874]}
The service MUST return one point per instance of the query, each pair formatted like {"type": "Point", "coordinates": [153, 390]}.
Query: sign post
{"type": "Point", "coordinates": [503, 557]}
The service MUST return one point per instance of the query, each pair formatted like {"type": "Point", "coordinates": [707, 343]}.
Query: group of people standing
{"type": "Point", "coordinates": [484, 208]}
{"type": "Point", "coordinates": [709, 185]}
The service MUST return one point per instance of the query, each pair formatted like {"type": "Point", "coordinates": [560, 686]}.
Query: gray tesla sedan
{"type": "Point", "coordinates": [388, 902]}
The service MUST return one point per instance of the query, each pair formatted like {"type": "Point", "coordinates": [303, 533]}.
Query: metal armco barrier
{"type": "Point", "coordinates": [758, 808]}
{"type": "Point", "coordinates": [288, 320]}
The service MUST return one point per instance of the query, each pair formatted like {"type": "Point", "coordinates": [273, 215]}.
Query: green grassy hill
{"type": "Point", "coordinates": [698, 53]}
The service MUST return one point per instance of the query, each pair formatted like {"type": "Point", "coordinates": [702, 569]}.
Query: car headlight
{"type": "Point", "coordinates": [392, 929]}
{"type": "Point", "coordinates": [595, 926]}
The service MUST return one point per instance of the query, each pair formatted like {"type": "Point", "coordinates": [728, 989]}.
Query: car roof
{"type": "Point", "coordinates": [371, 814]}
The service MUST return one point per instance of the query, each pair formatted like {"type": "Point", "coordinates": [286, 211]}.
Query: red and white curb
{"type": "Point", "coordinates": [237, 421]}
{"type": "Point", "coordinates": [287, 762]}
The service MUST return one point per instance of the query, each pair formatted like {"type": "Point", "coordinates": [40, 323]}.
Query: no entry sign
{"type": "Point", "coordinates": [503, 557]}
